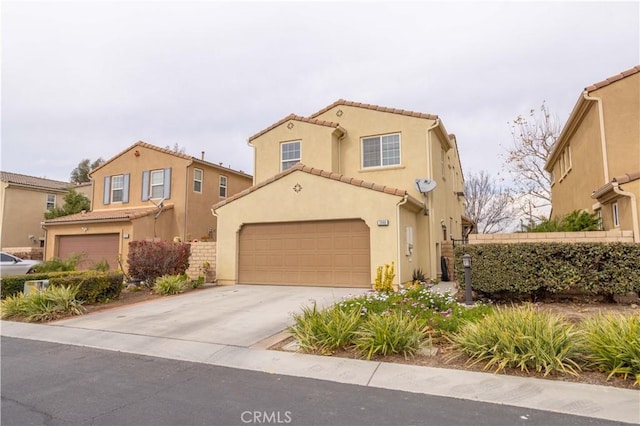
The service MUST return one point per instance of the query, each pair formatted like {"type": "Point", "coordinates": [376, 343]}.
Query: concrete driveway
{"type": "Point", "coordinates": [240, 315]}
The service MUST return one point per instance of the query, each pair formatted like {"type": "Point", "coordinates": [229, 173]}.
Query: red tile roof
{"type": "Point", "coordinates": [33, 181]}
{"type": "Point", "coordinates": [322, 173]}
{"type": "Point", "coordinates": [613, 79]}
{"type": "Point", "coordinates": [170, 152]}
{"type": "Point", "coordinates": [109, 215]}
{"type": "Point", "coordinates": [374, 108]}
{"type": "Point", "coordinates": [295, 118]}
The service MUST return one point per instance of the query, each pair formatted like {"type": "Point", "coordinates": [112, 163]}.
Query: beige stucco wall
{"type": "Point", "coordinates": [192, 210]}
{"type": "Point", "coordinates": [23, 210]}
{"type": "Point", "coordinates": [422, 143]}
{"type": "Point", "coordinates": [320, 199]}
{"type": "Point", "coordinates": [621, 104]}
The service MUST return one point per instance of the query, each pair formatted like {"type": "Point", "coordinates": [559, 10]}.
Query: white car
{"type": "Point", "coordinates": [11, 265]}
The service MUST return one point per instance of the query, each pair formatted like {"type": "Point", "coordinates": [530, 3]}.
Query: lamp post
{"type": "Point", "coordinates": [466, 262]}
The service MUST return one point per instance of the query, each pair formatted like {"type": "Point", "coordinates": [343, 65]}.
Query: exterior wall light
{"type": "Point", "coordinates": [466, 262]}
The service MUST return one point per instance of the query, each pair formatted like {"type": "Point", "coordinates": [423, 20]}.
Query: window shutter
{"type": "Point", "coordinates": [167, 183]}
{"type": "Point", "coordinates": [145, 185]}
{"type": "Point", "coordinates": [125, 188]}
{"type": "Point", "coordinates": [107, 190]}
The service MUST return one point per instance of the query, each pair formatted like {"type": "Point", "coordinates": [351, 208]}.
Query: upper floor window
{"type": "Point", "coordinates": [289, 154]}
{"type": "Point", "coordinates": [380, 151]}
{"type": "Point", "coordinates": [197, 180]}
{"type": "Point", "coordinates": [116, 189]}
{"type": "Point", "coordinates": [156, 184]}
{"type": "Point", "coordinates": [616, 214]}
{"type": "Point", "coordinates": [223, 186]}
{"type": "Point", "coordinates": [51, 201]}
{"type": "Point", "coordinates": [565, 162]}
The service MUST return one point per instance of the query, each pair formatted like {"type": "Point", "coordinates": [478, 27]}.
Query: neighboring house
{"type": "Point", "coordinates": [334, 197]}
{"type": "Point", "coordinates": [144, 193]}
{"type": "Point", "coordinates": [595, 164]}
{"type": "Point", "coordinates": [23, 203]}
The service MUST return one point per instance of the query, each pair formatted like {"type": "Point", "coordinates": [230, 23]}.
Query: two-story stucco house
{"type": "Point", "coordinates": [334, 197]}
{"type": "Point", "coordinates": [144, 193]}
{"type": "Point", "coordinates": [595, 164]}
{"type": "Point", "coordinates": [23, 202]}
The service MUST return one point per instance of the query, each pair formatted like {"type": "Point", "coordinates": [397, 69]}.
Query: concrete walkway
{"type": "Point", "coordinates": [564, 397]}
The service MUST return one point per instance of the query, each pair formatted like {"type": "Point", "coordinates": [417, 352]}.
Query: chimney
{"type": "Point", "coordinates": [202, 158]}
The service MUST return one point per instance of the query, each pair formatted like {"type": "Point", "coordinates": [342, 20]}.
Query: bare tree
{"type": "Point", "coordinates": [176, 148]}
{"type": "Point", "coordinates": [533, 139]}
{"type": "Point", "coordinates": [487, 204]}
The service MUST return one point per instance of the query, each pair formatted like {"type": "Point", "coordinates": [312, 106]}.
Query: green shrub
{"type": "Point", "coordinates": [530, 270]}
{"type": "Point", "coordinates": [14, 284]}
{"type": "Point", "coordinates": [573, 222]}
{"type": "Point", "coordinates": [169, 284]}
{"type": "Point", "coordinates": [324, 331]}
{"type": "Point", "coordinates": [198, 282]}
{"type": "Point", "coordinates": [102, 266]}
{"type": "Point", "coordinates": [391, 333]}
{"type": "Point", "coordinates": [58, 265]}
{"type": "Point", "coordinates": [48, 304]}
{"type": "Point", "coordinates": [149, 260]}
{"type": "Point", "coordinates": [611, 344]}
{"type": "Point", "coordinates": [92, 286]}
{"type": "Point", "coordinates": [522, 338]}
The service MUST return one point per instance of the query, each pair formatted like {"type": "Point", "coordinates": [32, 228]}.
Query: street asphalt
{"type": "Point", "coordinates": [232, 327]}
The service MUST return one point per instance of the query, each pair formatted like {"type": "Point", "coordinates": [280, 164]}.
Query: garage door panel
{"type": "Point", "coordinates": [328, 253]}
{"type": "Point", "coordinates": [94, 248]}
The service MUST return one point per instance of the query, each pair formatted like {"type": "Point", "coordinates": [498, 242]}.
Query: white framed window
{"type": "Point", "coordinates": [51, 201]}
{"type": "Point", "coordinates": [157, 184]}
{"type": "Point", "coordinates": [197, 180]}
{"type": "Point", "coordinates": [289, 154]}
{"type": "Point", "coordinates": [616, 215]}
{"type": "Point", "coordinates": [380, 151]}
{"type": "Point", "coordinates": [223, 187]}
{"type": "Point", "coordinates": [117, 188]}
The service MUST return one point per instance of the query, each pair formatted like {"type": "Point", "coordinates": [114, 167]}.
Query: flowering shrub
{"type": "Point", "coordinates": [384, 280]}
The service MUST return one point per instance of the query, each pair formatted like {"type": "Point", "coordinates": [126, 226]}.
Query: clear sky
{"type": "Point", "coordinates": [87, 79]}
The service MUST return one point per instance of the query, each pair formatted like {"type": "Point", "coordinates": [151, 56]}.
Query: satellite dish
{"type": "Point", "coordinates": [424, 185]}
{"type": "Point", "coordinates": [159, 204]}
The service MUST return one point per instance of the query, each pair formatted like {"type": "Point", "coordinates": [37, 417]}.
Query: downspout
{"type": "Point", "coordinates": [427, 199]}
{"type": "Point", "coordinates": [634, 210]}
{"type": "Point", "coordinates": [186, 201]}
{"type": "Point", "coordinates": [44, 252]}
{"type": "Point", "coordinates": [400, 203]}
{"type": "Point", "coordinates": [603, 140]}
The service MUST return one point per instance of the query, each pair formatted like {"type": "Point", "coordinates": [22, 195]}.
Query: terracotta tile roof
{"type": "Point", "coordinates": [613, 79]}
{"type": "Point", "coordinates": [33, 181]}
{"type": "Point", "coordinates": [170, 152]}
{"type": "Point", "coordinates": [108, 215]}
{"type": "Point", "coordinates": [322, 173]}
{"type": "Point", "coordinates": [374, 108]}
{"type": "Point", "coordinates": [296, 118]}
{"type": "Point", "coordinates": [627, 177]}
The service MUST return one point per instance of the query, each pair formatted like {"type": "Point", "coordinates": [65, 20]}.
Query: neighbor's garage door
{"type": "Point", "coordinates": [93, 247]}
{"type": "Point", "coordinates": [322, 253]}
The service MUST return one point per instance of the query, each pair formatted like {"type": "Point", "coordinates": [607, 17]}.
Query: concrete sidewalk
{"type": "Point", "coordinates": [232, 327]}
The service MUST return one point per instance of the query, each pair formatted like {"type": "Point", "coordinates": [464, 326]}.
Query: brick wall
{"type": "Point", "coordinates": [555, 237]}
{"type": "Point", "coordinates": [202, 252]}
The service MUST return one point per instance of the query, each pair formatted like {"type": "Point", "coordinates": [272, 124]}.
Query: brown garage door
{"type": "Point", "coordinates": [94, 248]}
{"type": "Point", "coordinates": [323, 253]}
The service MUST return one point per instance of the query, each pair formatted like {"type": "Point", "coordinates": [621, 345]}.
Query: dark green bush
{"type": "Point", "coordinates": [573, 222]}
{"type": "Point", "coordinates": [92, 286]}
{"type": "Point", "coordinates": [531, 270]}
{"type": "Point", "coordinates": [10, 286]}
{"type": "Point", "coordinates": [149, 260]}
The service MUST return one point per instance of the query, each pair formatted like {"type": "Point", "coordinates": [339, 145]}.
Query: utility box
{"type": "Point", "coordinates": [34, 285]}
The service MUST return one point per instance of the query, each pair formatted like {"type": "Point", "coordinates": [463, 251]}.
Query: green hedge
{"type": "Point", "coordinates": [92, 286]}
{"type": "Point", "coordinates": [533, 269]}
